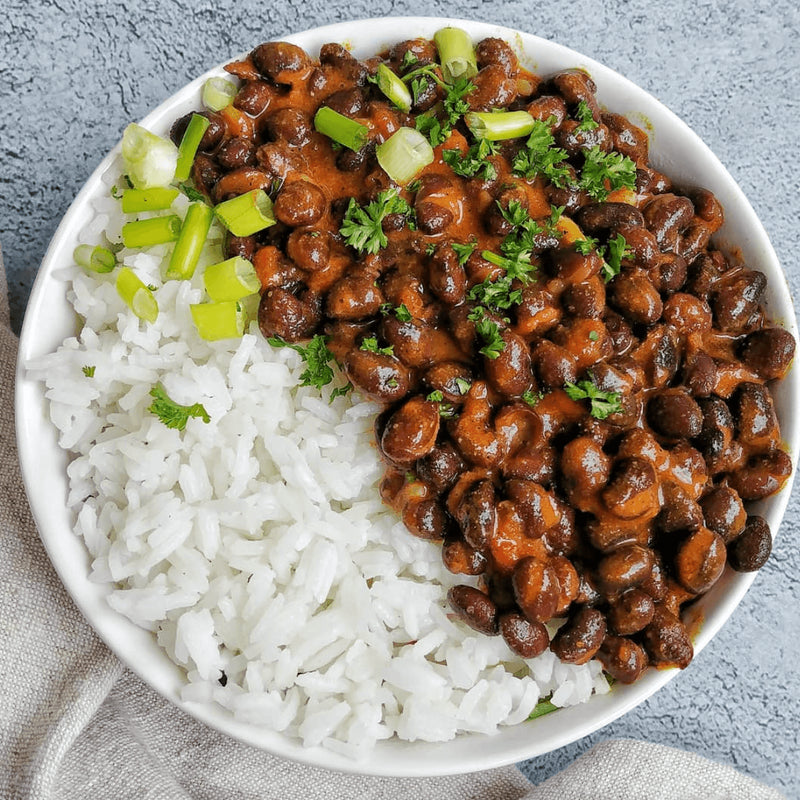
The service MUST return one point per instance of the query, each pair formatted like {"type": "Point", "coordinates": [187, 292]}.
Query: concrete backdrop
{"type": "Point", "coordinates": [73, 74]}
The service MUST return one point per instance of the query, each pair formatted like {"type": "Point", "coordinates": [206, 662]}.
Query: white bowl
{"type": "Point", "coordinates": [675, 150]}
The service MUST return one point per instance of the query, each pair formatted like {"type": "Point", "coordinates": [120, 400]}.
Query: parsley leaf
{"type": "Point", "coordinates": [474, 161]}
{"type": "Point", "coordinates": [370, 345]}
{"type": "Point", "coordinates": [315, 354]}
{"type": "Point", "coordinates": [463, 251]}
{"type": "Point", "coordinates": [603, 173]}
{"type": "Point", "coordinates": [593, 336]}
{"type": "Point", "coordinates": [616, 250]}
{"type": "Point", "coordinates": [541, 156]}
{"type": "Point", "coordinates": [454, 104]}
{"type": "Point", "coordinates": [531, 397]}
{"type": "Point", "coordinates": [543, 707]}
{"type": "Point", "coordinates": [585, 117]}
{"type": "Point", "coordinates": [402, 313]}
{"type": "Point", "coordinates": [341, 391]}
{"type": "Point", "coordinates": [88, 370]}
{"type": "Point", "coordinates": [497, 294]}
{"type": "Point", "coordinates": [193, 194]}
{"type": "Point", "coordinates": [436, 396]}
{"type": "Point", "coordinates": [430, 126]}
{"type": "Point", "coordinates": [488, 331]}
{"type": "Point", "coordinates": [409, 59]}
{"type": "Point", "coordinates": [362, 228]}
{"type": "Point", "coordinates": [173, 414]}
{"type": "Point", "coordinates": [463, 385]}
{"type": "Point", "coordinates": [602, 403]}
{"type": "Point", "coordinates": [585, 246]}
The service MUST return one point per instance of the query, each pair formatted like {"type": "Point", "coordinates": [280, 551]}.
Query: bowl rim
{"type": "Point", "coordinates": [468, 752]}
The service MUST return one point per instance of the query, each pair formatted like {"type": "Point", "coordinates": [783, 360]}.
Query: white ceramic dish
{"type": "Point", "coordinates": [675, 150]}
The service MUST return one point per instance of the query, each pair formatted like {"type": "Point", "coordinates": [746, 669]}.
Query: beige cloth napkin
{"type": "Point", "coordinates": [75, 724]}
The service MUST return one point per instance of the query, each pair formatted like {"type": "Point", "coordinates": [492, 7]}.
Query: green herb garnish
{"type": "Point", "coordinates": [488, 331]}
{"type": "Point", "coordinates": [603, 173]}
{"type": "Point", "coordinates": [362, 226]}
{"type": "Point", "coordinates": [317, 357]}
{"type": "Point", "coordinates": [88, 370]}
{"type": "Point", "coordinates": [370, 345]}
{"type": "Point", "coordinates": [602, 403]}
{"type": "Point", "coordinates": [402, 313]}
{"type": "Point", "coordinates": [543, 707]}
{"type": "Point", "coordinates": [532, 398]}
{"type": "Point", "coordinates": [540, 156]}
{"type": "Point", "coordinates": [463, 251]}
{"type": "Point", "coordinates": [584, 116]}
{"type": "Point", "coordinates": [474, 161]}
{"type": "Point", "coordinates": [173, 414]}
{"type": "Point", "coordinates": [193, 194]}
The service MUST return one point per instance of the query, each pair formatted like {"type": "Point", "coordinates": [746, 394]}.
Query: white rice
{"type": "Point", "coordinates": [257, 544]}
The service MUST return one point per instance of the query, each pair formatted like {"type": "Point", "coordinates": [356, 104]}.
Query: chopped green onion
{"type": "Point", "coordinates": [147, 232]}
{"type": "Point", "coordinates": [497, 125]}
{"type": "Point", "coordinates": [189, 144]}
{"type": "Point", "coordinates": [155, 199]}
{"type": "Point", "coordinates": [393, 88]}
{"type": "Point", "coordinates": [246, 214]}
{"type": "Point", "coordinates": [340, 128]}
{"type": "Point", "coordinates": [218, 93]}
{"type": "Point", "coordinates": [456, 54]}
{"type": "Point", "coordinates": [193, 235]}
{"type": "Point", "coordinates": [149, 160]}
{"type": "Point", "coordinates": [231, 280]}
{"type": "Point", "coordinates": [218, 320]}
{"type": "Point", "coordinates": [404, 154]}
{"type": "Point", "coordinates": [95, 259]}
{"type": "Point", "coordinates": [136, 295]}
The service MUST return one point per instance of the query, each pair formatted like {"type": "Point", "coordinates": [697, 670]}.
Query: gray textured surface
{"type": "Point", "coordinates": [73, 75]}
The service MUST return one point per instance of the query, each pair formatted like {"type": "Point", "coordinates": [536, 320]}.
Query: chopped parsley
{"type": "Point", "coordinates": [593, 336]}
{"type": "Point", "coordinates": [362, 226]}
{"type": "Point", "coordinates": [474, 161]}
{"type": "Point", "coordinates": [88, 370]}
{"type": "Point", "coordinates": [173, 414]}
{"type": "Point", "coordinates": [341, 391]}
{"type": "Point", "coordinates": [602, 403]}
{"type": "Point", "coordinates": [585, 117]}
{"type": "Point", "coordinates": [488, 331]}
{"type": "Point", "coordinates": [409, 59]}
{"type": "Point", "coordinates": [496, 295]}
{"type": "Point", "coordinates": [603, 173]}
{"type": "Point", "coordinates": [192, 193]}
{"type": "Point", "coordinates": [436, 396]}
{"type": "Point", "coordinates": [370, 345]}
{"type": "Point", "coordinates": [402, 313]}
{"type": "Point", "coordinates": [616, 250]}
{"type": "Point", "coordinates": [463, 251]}
{"type": "Point", "coordinates": [454, 103]}
{"type": "Point", "coordinates": [540, 156]}
{"type": "Point", "coordinates": [531, 397]}
{"type": "Point", "coordinates": [543, 707]}
{"type": "Point", "coordinates": [611, 254]}
{"type": "Point", "coordinates": [463, 385]}
{"type": "Point", "coordinates": [317, 357]}
{"type": "Point", "coordinates": [446, 410]}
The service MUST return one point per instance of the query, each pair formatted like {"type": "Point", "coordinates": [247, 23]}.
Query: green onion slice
{"type": "Point", "coordinates": [136, 295]}
{"type": "Point", "coordinates": [497, 125]}
{"type": "Point", "coordinates": [456, 54]}
{"type": "Point", "coordinates": [95, 259]}
{"type": "Point", "coordinates": [148, 232]}
{"type": "Point", "coordinates": [193, 235]}
{"type": "Point", "coordinates": [189, 144]}
{"type": "Point", "coordinates": [231, 280]}
{"type": "Point", "coordinates": [149, 160]}
{"type": "Point", "coordinates": [246, 214]}
{"type": "Point", "coordinates": [340, 128]}
{"type": "Point", "coordinates": [218, 93]}
{"type": "Point", "coordinates": [404, 154]}
{"type": "Point", "coordinates": [156, 199]}
{"type": "Point", "coordinates": [393, 88]}
{"type": "Point", "coordinates": [218, 320]}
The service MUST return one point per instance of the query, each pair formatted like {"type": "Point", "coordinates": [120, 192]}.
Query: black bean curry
{"type": "Point", "coordinates": [575, 382]}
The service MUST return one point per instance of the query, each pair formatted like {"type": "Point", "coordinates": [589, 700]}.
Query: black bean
{"type": "Point", "coordinates": [751, 550]}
